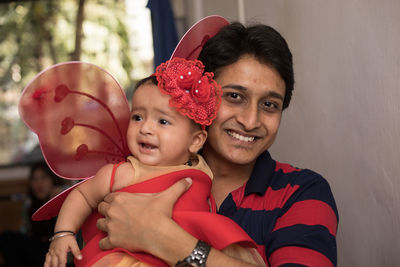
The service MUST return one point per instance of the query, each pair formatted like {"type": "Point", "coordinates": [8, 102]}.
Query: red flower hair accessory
{"type": "Point", "coordinates": [193, 93]}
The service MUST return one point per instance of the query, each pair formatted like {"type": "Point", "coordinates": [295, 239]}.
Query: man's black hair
{"type": "Point", "coordinates": [261, 41]}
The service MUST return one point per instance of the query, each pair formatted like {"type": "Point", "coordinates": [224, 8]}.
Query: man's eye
{"type": "Point", "coordinates": [164, 122]}
{"type": "Point", "coordinates": [136, 117]}
{"type": "Point", "coordinates": [270, 106]}
{"type": "Point", "coordinates": [232, 96]}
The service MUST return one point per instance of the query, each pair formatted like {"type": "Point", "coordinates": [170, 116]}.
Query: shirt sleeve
{"type": "Point", "coordinates": [305, 232]}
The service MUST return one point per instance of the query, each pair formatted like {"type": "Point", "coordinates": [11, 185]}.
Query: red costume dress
{"type": "Point", "coordinates": [192, 212]}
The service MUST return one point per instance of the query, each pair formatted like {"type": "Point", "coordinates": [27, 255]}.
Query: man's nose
{"type": "Point", "coordinates": [249, 117]}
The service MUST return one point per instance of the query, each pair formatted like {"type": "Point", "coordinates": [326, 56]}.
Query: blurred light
{"type": "Point", "coordinates": [21, 10]}
{"type": "Point", "coordinates": [16, 73]}
{"type": "Point", "coordinates": [141, 39]}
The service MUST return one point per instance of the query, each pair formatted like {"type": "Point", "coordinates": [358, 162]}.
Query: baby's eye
{"type": "Point", "coordinates": [163, 122]}
{"type": "Point", "coordinates": [136, 117]}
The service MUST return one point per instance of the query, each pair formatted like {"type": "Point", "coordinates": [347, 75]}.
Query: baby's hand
{"type": "Point", "coordinates": [59, 248]}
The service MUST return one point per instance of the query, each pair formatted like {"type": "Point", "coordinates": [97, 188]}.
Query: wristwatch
{"type": "Point", "coordinates": [198, 257]}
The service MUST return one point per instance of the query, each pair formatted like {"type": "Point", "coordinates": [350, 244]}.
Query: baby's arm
{"type": "Point", "coordinates": [74, 211]}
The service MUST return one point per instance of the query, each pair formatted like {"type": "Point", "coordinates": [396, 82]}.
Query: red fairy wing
{"type": "Point", "coordinates": [51, 208]}
{"type": "Point", "coordinates": [80, 114]}
{"type": "Point", "coordinates": [189, 47]}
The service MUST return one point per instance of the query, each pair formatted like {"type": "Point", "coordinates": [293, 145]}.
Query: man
{"type": "Point", "coordinates": [290, 213]}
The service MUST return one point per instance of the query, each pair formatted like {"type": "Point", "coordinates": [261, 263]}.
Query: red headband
{"type": "Point", "coordinates": [193, 93]}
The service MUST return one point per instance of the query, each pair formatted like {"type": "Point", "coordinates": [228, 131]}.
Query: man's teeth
{"type": "Point", "coordinates": [241, 137]}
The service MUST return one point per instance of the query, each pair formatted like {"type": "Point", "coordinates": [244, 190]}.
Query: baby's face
{"type": "Point", "coordinates": [157, 133]}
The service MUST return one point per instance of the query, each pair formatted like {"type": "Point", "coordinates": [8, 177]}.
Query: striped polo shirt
{"type": "Point", "coordinates": [290, 213]}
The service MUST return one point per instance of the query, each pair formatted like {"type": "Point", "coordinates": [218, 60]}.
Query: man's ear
{"type": "Point", "coordinates": [198, 139]}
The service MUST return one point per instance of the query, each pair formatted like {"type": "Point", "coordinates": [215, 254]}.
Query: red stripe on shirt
{"type": "Point", "coordinates": [309, 212]}
{"type": "Point", "coordinates": [273, 198]}
{"type": "Point", "coordinates": [286, 168]}
{"type": "Point", "coordinates": [299, 255]}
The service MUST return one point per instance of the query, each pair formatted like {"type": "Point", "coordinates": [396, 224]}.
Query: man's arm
{"type": "Point", "coordinates": [153, 230]}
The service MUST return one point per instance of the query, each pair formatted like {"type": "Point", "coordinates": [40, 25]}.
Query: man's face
{"type": "Point", "coordinates": [250, 112]}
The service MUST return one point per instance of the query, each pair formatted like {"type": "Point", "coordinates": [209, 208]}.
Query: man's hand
{"type": "Point", "coordinates": [142, 222]}
{"type": "Point", "coordinates": [137, 221]}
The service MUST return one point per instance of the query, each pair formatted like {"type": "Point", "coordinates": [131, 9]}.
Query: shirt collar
{"type": "Point", "coordinates": [261, 175]}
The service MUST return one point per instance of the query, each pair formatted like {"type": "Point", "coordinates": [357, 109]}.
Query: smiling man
{"type": "Point", "coordinates": [289, 212]}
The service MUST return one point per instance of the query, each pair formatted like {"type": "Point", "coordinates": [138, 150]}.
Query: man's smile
{"type": "Point", "coordinates": [241, 137]}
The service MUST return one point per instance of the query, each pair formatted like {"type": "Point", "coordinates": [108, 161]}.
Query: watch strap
{"type": "Point", "coordinates": [198, 257]}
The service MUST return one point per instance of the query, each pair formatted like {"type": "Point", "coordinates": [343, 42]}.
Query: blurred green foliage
{"type": "Point", "coordinates": [37, 34]}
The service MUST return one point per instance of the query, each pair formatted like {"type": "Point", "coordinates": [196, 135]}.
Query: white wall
{"type": "Point", "coordinates": [344, 119]}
